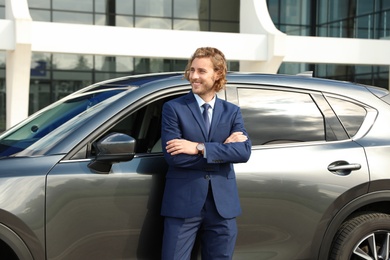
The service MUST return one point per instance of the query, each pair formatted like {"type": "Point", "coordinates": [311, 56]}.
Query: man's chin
{"type": "Point", "coordinates": [196, 90]}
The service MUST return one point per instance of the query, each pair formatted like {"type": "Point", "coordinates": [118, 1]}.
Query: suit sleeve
{"type": "Point", "coordinates": [171, 129]}
{"type": "Point", "coordinates": [238, 152]}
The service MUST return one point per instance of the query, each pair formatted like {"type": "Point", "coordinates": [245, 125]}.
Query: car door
{"type": "Point", "coordinates": [114, 215]}
{"type": "Point", "coordinates": [302, 167]}
{"type": "Point", "coordinates": [105, 216]}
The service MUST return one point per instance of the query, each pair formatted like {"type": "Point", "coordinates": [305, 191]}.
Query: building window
{"type": "Point", "coordinates": [56, 75]}
{"type": "Point", "coordinates": [335, 18]}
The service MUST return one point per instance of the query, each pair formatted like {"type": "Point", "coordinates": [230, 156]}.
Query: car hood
{"type": "Point", "coordinates": [27, 166]}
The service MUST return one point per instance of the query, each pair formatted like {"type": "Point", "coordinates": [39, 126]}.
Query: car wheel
{"type": "Point", "coordinates": [363, 237]}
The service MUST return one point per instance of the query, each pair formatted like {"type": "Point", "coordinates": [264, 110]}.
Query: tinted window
{"type": "Point", "coordinates": [144, 125]}
{"type": "Point", "coordinates": [350, 114]}
{"type": "Point", "coordinates": [273, 116]}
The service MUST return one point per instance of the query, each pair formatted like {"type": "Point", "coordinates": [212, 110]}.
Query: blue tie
{"type": "Point", "coordinates": [206, 116]}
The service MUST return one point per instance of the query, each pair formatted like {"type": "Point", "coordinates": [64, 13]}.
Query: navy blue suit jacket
{"type": "Point", "coordinates": [188, 176]}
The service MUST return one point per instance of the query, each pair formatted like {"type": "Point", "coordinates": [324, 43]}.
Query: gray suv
{"type": "Point", "coordinates": [84, 177]}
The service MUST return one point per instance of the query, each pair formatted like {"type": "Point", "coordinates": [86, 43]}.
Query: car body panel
{"type": "Point", "coordinates": [119, 211]}
{"type": "Point", "coordinates": [140, 189]}
{"type": "Point", "coordinates": [286, 181]}
{"type": "Point", "coordinates": [22, 200]}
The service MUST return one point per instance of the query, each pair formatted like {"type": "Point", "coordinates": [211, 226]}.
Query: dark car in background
{"type": "Point", "coordinates": [84, 177]}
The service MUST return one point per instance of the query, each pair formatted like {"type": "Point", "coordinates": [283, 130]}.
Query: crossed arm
{"type": "Point", "coordinates": [182, 146]}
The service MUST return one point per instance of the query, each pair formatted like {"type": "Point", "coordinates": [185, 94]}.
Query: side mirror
{"type": "Point", "coordinates": [113, 148]}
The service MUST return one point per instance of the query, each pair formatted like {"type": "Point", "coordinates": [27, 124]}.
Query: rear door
{"type": "Point", "coordinates": [294, 180]}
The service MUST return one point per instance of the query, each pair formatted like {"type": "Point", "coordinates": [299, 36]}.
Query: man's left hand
{"type": "Point", "coordinates": [178, 146]}
{"type": "Point", "coordinates": [236, 137]}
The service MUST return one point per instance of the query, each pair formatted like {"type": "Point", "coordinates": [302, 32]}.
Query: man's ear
{"type": "Point", "coordinates": [218, 75]}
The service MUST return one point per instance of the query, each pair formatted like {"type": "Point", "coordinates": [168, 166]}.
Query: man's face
{"type": "Point", "coordinates": [202, 78]}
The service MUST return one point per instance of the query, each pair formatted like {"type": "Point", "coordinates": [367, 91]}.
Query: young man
{"type": "Point", "coordinates": [201, 144]}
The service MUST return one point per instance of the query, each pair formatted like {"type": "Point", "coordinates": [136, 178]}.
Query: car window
{"type": "Point", "coordinates": [144, 125]}
{"type": "Point", "coordinates": [275, 116]}
{"type": "Point", "coordinates": [350, 114]}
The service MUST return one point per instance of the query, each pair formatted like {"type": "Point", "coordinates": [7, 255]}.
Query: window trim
{"type": "Point", "coordinates": [369, 119]}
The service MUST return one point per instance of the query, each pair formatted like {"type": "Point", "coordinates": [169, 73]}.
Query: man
{"type": "Point", "coordinates": [200, 146]}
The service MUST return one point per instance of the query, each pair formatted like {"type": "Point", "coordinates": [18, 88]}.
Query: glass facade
{"type": "Point", "coordinates": [54, 76]}
{"type": "Point", "coordinates": [335, 18]}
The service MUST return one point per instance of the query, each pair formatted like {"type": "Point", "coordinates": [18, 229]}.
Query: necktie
{"type": "Point", "coordinates": [206, 116]}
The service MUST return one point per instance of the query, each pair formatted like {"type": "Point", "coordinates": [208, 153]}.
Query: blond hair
{"type": "Point", "coordinates": [219, 63]}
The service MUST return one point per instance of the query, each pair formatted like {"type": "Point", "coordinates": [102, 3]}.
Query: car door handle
{"type": "Point", "coordinates": [343, 168]}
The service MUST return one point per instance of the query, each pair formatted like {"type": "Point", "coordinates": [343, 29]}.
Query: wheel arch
{"type": "Point", "coordinates": [378, 201]}
{"type": "Point", "coordinates": [15, 242]}
{"type": "Point", "coordinates": [19, 237]}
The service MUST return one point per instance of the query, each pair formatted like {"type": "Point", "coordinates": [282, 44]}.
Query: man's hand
{"type": "Point", "coordinates": [236, 137]}
{"type": "Point", "coordinates": [178, 146]}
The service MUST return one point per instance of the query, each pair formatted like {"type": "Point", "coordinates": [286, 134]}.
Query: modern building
{"type": "Point", "coordinates": [50, 48]}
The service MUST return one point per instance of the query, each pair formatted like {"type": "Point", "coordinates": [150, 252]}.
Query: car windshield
{"type": "Point", "coordinates": [46, 121]}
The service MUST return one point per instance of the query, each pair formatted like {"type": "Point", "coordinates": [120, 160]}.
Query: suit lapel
{"type": "Point", "coordinates": [193, 106]}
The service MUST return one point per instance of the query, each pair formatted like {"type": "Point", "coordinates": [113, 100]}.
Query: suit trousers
{"type": "Point", "coordinates": [217, 234]}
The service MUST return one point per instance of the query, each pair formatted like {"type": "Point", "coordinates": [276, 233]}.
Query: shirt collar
{"type": "Point", "coordinates": [201, 101]}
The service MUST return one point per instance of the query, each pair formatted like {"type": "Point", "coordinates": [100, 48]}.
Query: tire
{"type": "Point", "coordinates": [365, 236]}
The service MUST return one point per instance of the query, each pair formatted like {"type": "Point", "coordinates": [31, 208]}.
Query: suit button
{"type": "Point", "coordinates": [207, 177]}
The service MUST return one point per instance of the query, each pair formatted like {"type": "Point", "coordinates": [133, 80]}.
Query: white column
{"type": "Point", "coordinates": [255, 19]}
{"type": "Point", "coordinates": [18, 62]}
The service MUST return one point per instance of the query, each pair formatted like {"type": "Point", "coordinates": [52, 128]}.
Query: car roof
{"type": "Point", "coordinates": [166, 79]}
{"type": "Point", "coordinates": [133, 81]}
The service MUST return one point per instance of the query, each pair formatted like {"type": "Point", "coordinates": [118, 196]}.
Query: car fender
{"type": "Point", "coordinates": [351, 207]}
{"type": "Point", "coordinates": [19, 237]}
